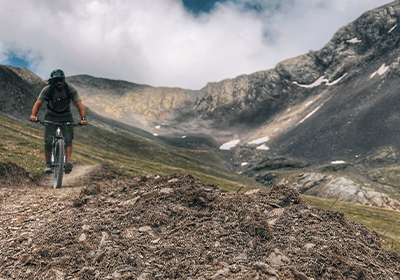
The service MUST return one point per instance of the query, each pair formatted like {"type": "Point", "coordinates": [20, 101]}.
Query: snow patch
{"type": "Point", "coordinates": [229, 145]}
{"type": "Point", "coordinates": [315, 84]}
{"type": "Point", "coordinates": [336, 81]}
{"type": "Point", "coordinates": [392, 28]}
{"type": "Point", "coordinates": [338, 162]}
{"type": "Point", "coordinates": [380, 71]}
{"type": "Point", "coordinates": [354, 41]}
{"type": "Point", "coordinates": [158, 127]}
{"type": "Point", "coordinates": [155, 134]}
{"type": "Point", "coordinates": [244, 163]}
{"type": "Point", "coordinates": [263, 147]}
{"type": "Point", "coordinates": [320, 81]}
{"type": "Point", "coordinates": [184, 136]}
{"type": "Point", "coordinates": [310, 114]}
{"type": "Point", "coordinates": [259, 141]}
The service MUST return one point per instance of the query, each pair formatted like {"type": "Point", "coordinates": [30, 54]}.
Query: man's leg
{"type": "Point", "coordinates": [49, 168]}
{"type": "Point", "coordinates": [68, 152]}
{"type": "Point", "coordinates": [47, 155]}
{"type": "Point", "coordinates": [49, 131]}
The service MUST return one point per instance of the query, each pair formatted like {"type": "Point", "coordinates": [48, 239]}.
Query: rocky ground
{"type": "Point", "coordinates": [176, 227]}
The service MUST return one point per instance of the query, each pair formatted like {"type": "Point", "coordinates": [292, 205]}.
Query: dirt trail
{"type": "Point", "coordinates": [176, 227]}
{"type": "Point", "coordinates": [77, 178]}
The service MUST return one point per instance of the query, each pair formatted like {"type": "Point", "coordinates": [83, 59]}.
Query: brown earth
{"type": "Point", "coordinates": [176, 227]}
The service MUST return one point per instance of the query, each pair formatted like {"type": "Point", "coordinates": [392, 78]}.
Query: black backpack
{"type": "Point", "coordinates": [51, 95]}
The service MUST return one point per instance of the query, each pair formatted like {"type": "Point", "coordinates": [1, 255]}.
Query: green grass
{"type": "Point", "coordinates": [385, 222]}
{"type": "Point", "coordinates": [136, 154]}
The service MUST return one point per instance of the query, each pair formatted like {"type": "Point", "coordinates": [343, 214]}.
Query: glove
{"type": "Point", "coordinates": [33, 118]}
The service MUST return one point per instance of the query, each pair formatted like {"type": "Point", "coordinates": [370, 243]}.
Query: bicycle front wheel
{"type": "Point", "coordinates": [59, 153]}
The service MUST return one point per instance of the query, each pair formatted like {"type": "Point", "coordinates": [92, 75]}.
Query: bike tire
{"type": "Point", "coordinates": [59, 153]}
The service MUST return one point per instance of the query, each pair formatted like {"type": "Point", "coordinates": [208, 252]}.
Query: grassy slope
{"type": "Point", "coordinates": [138, 155]}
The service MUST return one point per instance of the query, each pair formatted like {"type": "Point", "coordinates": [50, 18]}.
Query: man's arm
{"type": "Point", "coordinates": [35, 110]}
{"type": "Point", "coordinates": [81, 112]}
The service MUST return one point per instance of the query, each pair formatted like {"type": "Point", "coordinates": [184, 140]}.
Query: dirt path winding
{"type": "Point", "coordinates": [78, 177]}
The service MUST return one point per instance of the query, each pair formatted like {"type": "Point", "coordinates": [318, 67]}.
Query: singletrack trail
{"type": "Point", "coordinates": [78, 177]}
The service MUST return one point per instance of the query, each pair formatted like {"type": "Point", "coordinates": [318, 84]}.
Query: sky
{"type": "Point", "coordinates": [173, 43]}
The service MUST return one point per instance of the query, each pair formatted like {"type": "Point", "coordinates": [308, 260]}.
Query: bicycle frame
{"type": "Point", "coordinates": [58, 153]}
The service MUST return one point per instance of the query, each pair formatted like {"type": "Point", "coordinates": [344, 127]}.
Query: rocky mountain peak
{"type": "Point", "coordinates": [244, 98]}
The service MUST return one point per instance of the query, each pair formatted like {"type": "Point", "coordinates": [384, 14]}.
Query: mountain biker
{"type": "Point", "coordinates": [58, 95]}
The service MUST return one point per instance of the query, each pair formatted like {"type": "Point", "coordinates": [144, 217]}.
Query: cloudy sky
{"type": "Point", "coordinates": [175, 43]}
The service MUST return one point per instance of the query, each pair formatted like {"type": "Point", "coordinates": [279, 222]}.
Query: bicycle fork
{"type": "Point", "coordinates": [57, 137]}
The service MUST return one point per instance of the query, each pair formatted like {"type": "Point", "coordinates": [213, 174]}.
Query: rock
{"type": "Point", "coordinates": [82, 238]}
{"type": "Point", "coordinates": [250, 192]}
{"type": "Point", "coordinates": [85, 228]}
{"type": "Point", "coordinates": [309, 246]}
{"type": "Point", "coordinates": [144, 276]}
{"type": "Point", "coordinates": [265, 268]}
{"type": "Point", "coordinates": [242, 256]}
{"type": "Point", "coordinates": [309, 180]}
{"type": "Point", "coordinates": [89, 271]}
{"type": "Point", "coordinates": [130, 233]}
{"type": "Point", "coordinates": [234, 268]}
{"type": "Point", "coordinates": [166, 190]}
{"type": "Point", "coordinates": [276, 259]}
{"type": "Point", "coordinates": [155, 241]}
{"type": "Point", "coordinates": [299, 275]}
{"type": "Point", "coordinates": [104, 237]}
{"type": "Point", "coordinates": [116, 274]}
{"type": "Point", "coordinates": [130, 202]}
{"type": "Point", "coordinates": [224, 272]}
{"type": "Point", "coordinates": [99, 257]}
{"type": "Point", "coordinates": [30, 242]}
{"type": "Point", "coordinates": [343, 189]}
{"type": "Point", "coordinates": [145, 229]}
{"type": "Point", "coordinates": [302, 69]}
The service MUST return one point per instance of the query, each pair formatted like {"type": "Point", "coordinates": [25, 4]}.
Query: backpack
{"type": "Point", "coordinates": [50, 97]}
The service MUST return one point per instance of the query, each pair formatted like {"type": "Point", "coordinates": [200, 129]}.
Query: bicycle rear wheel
{"type": "Point", "coordinates": [59, 153]}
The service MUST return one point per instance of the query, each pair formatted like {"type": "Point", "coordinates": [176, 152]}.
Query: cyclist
{"type": "Point", "coordinates": [58, 95]}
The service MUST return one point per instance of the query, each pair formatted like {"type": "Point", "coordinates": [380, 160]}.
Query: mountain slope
{"type": "Point", "coordinates": [139, 105]}
{"type": "Point", "coordinates": [19, 89]}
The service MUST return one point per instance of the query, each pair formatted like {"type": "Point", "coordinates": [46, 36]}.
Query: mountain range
{"type": "Point", "coordinates": [337, 106]}
{"type": "Point", "coordinates": [337, 103]}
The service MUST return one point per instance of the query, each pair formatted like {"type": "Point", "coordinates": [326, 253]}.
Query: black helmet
{"type": "Point", "coordinates": [58, 73]}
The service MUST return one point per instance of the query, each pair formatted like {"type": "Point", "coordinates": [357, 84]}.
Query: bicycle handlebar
{"type": "Point", "coordinates": [44, 122]}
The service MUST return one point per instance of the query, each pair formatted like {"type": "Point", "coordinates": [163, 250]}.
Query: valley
{"type": "Point", "coordinates": [286, 173]}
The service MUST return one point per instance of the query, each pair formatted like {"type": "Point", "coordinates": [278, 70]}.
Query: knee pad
{"type": "Point", "coordinates": [68, 140]}
{"type": "Point", "coordinates": [47, 146]}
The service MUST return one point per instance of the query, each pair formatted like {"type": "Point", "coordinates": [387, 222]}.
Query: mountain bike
{"type": "Point", "coordinates": [58, 151]}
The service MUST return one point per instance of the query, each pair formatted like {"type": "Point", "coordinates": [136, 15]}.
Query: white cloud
{"type": "Point", "coordinates": [159, 43]}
